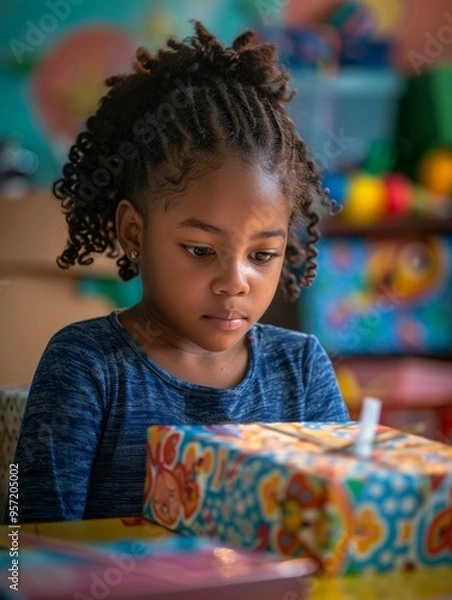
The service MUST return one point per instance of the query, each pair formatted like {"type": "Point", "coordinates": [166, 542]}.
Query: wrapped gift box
{"type": "Point", "coordinates": [296, 489]}
{"type": "Point", "coordinates": [175, 568]}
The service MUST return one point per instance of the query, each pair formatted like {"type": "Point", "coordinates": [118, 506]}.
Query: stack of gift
{"type": "Point", "coordinates": [297, 489]}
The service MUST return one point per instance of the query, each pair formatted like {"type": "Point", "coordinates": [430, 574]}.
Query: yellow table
{"type": "Point", "coordinates": [92, 530]}
{"type": "Point", "coordinates": [428, 584]}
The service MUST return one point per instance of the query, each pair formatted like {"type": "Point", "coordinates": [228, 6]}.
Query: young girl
{"type": "Point", "coordinates": [192, 166]}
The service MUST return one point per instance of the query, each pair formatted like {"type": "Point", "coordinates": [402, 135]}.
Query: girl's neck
{"type": "Point", "coordinates": [213, 369]}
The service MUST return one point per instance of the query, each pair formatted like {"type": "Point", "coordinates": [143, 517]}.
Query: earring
{"type": "Point", "coordinates": [133, 255]}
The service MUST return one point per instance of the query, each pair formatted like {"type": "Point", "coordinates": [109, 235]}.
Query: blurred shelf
{"type": "Point", "coordinates": [384, 359]}
{"type": "Point", "coordinates": [100, 269]}
{"type": "Point", "coordinates": [405, 380]}
{"type": "Point", "coordinates": [335, 227]}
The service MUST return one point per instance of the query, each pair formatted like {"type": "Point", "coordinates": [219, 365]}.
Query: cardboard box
{"type": "Point", "coordinates": [292, 488]}
{"type": "Point", "coordinates": [33, 307]}
{"type": "Point", "coordinates": [33, 232]}
{"type": "Point", "coordinates": [37, 298]}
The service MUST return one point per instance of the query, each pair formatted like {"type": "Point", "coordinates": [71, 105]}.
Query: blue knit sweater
{"type": "Point", "coordinates": [82, 447]}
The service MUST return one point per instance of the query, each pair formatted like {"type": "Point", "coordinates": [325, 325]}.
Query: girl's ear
{"type": "Point", "coordinates": [129, 228]}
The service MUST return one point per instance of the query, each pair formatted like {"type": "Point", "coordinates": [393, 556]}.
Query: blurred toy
{"type": "Point", "coordinates": [366, 28]}
{"type": "Point", "coordinates": [303, 48]}
{"type": "Point", "coordinates": [404, 272]}
{"type": "Point", "coordinates": [357, 25]}
{"type": "Point", "coordinates": [409, 269]}
{"type": "Point", "coordinates": [337, 184]}
{"type": "Point", "coordinates": [380, 157]}
{"type": "Point", "coordinates": [435, 171]}
{"type": "Point", "coordinates": [424, 132]}
{"type": "Point", "coordinates": [17, 167]}
{"type": "Point", "coordinates": [429, 204]}
{"type": "Point", "coordinates": [398, 195]}
{"type": "Point", "coordinates": [366, 200]}
{"type": "Point", "coordinates": [388, 16]}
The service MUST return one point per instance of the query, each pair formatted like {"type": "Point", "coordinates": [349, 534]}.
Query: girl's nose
{"type": "Point", "coordinates": [231, 278]}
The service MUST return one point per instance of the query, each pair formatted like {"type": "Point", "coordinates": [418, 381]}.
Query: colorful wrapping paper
{"type": "Point", "coordinates": [12, 406]}
{"type": "Point", "coordinates": [293, 488]}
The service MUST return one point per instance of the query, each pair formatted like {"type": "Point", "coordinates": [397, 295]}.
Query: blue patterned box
{"type": "Point", "coordinates": [381, 296]}
{"type": "Point", "coordinates": [292, 488]}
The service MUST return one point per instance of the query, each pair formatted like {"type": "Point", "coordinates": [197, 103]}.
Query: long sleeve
{"type": "Point", "coordinates": [61, 430]}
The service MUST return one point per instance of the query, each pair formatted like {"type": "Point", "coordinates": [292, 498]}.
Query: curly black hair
{"type": "Point", "coordinates": [186, 105]}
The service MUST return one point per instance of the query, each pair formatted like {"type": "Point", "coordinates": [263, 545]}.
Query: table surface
{"type": "Point", "coordinates": [426, 584]}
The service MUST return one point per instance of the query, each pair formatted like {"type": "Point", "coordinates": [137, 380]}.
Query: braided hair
{"type": "Point", "coordinates": [186, 105]}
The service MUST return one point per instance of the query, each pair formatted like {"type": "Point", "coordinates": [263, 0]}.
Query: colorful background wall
{"type": "Point", "coordinates": [374, 85]}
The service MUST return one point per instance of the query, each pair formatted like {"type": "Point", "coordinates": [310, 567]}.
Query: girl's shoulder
{"type": "Point", "coordinates": [287, 345]}
{"type": "Point", "coordinates": [96, 331]}
{"type": "Point", "coordinates": [273, 335]}
{"type": "Point", "coordinates": [88, 325]}
{"type": "Point", "coordinates": [81, 347]}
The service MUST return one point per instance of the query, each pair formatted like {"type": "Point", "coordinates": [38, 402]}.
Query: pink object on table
{"type": "Point", "coordinates": [180, 569]}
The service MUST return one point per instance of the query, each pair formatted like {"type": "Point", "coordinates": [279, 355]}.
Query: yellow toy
{"type": "Point", "coordinates": [435, 171]}
{"type": "Point", "coordinates": [366, 201]}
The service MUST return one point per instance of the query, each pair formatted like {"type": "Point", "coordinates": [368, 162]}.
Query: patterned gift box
{"type": "Point", "coordinates": [12, 406]}
{"type": "Point", "coordinates": [296, 489]}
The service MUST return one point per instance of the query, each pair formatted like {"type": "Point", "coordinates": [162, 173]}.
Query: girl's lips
{"type": "Point", "coordinates": [227, 324]}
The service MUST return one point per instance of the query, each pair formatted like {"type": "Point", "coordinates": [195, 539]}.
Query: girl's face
{"type": "Point", "coordinates": [211, 261]}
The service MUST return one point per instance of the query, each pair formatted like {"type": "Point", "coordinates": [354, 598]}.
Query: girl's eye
{"type": "Point", "coordinates": [198, 251]}
{"type": "Point", "coordinates": [264, 257]}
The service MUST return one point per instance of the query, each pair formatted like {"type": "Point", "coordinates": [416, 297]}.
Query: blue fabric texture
{"type": "Point", "coordinates": [82, 447]}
